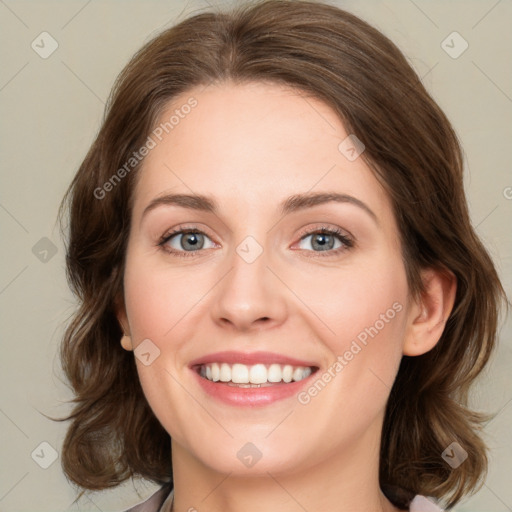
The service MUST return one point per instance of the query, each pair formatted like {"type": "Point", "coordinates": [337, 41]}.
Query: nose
{"type": "Point", "coordinates": [250, 297]}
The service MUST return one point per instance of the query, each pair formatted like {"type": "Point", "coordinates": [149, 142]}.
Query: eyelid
{"type": "Point", "coordinates": [182, 230]}
{"type": "Point", "coordinates": [346, 238]}
{"type": "Point", "coordinates": [326, 228]}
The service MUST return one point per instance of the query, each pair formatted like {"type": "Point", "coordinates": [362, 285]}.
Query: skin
{"type": "Point", "coordinates": [250, 147]}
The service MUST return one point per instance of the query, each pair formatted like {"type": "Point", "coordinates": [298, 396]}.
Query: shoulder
{"type": "Point", "coordinates": [154, 502]}
{"type": "Point", "coordinates": [423, 504]}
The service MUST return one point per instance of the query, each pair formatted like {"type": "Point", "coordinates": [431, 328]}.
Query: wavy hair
{"type": "Point", "coordinates": [413, 151]}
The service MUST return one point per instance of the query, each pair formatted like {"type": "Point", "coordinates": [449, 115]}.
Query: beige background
{"type": "Point", "coordinates": [51, 109]}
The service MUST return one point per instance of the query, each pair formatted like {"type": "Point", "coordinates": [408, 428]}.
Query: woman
{"type": "Point", "coordinates": [283, 302]}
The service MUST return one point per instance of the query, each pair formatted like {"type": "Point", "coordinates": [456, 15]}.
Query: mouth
{"type": "Point", "coordinates": [253, 376]}
{"type": "Point", "coordinates": [252, 379]}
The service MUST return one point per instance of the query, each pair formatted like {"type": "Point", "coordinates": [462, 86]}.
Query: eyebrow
{"type": "Point", "coordinates": [292, 204]}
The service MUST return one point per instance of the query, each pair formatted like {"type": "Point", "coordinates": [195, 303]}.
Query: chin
{"type": "Point", "coordinates": [246, 458]}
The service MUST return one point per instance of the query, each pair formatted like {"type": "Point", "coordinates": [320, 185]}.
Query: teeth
{"type": "Point", "coordinates": [255, 374]}
{"type": "Point", "coordinates": [225, 373]}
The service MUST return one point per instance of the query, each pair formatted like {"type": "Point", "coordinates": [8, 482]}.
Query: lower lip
{"type": "Point", "coordinates": [251, 397]}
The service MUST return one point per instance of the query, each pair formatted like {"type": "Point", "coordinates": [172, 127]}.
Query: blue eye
{"type": "Point", "coordinates": [190, 241]}
{"type": "Point", "coordinates": [324, 239]}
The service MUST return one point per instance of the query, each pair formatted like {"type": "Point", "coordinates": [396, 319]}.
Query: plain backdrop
{"type": "Point", "coordinates": [51, 109]}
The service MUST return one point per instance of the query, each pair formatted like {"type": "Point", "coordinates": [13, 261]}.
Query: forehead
{"type": "Point", "coordinates": [250, 145]}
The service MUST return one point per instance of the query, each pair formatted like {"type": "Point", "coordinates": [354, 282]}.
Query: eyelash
{"type": "Point", "coordinates": [348, 243]}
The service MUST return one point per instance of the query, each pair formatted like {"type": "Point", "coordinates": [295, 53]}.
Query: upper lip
{"type": "Point", "coordinates": [250, 358]}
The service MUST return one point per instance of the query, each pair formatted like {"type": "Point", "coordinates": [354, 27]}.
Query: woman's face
{"type": "Point", "coordinates": [253, 281]}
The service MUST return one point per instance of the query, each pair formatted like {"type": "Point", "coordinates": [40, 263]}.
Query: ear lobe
{"type": "Point", "coordinates": [428, 315]}
{"type": "Point", "coordinates": [126, 343]}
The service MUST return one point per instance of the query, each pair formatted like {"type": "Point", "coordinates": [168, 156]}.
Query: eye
{"type": "Point", "coordinates": [324, 240]}
{"type": "Point", "coordinates": [184, 242]}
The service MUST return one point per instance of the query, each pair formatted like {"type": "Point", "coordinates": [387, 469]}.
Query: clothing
{"type": "Point", "coordinates": [161, 500]}
{"type": "Point", "coordinates": [158, 501]}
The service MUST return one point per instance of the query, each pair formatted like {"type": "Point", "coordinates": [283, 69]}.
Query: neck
{"type": "Point", "coordinates": [340, 483]}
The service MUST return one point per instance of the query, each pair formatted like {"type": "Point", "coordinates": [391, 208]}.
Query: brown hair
{"type": "Point", "coordinates": [410, 145]}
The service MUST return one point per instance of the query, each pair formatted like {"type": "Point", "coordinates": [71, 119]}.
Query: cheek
{"type": "Point", "coordinates": [361, 321]}
{"type": "Point", "coordinates": [156, 306]}
{"type": "Point", "coordinates": [354, 302]}
{"type": "Point", "coordinates": [372, 309]}
{"type": "Point", "coordinates": [154, 299]}
{"type": "Point", "coordinates": [366, 311]}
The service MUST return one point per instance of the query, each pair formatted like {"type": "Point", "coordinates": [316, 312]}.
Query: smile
{"type": "Point", "coordinates": [257, 375]}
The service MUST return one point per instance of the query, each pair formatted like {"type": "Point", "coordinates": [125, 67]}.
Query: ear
{"type": "Point", "coordinates": [122, 318]}
{"type": "Point", "coordinates": [429, 313]}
